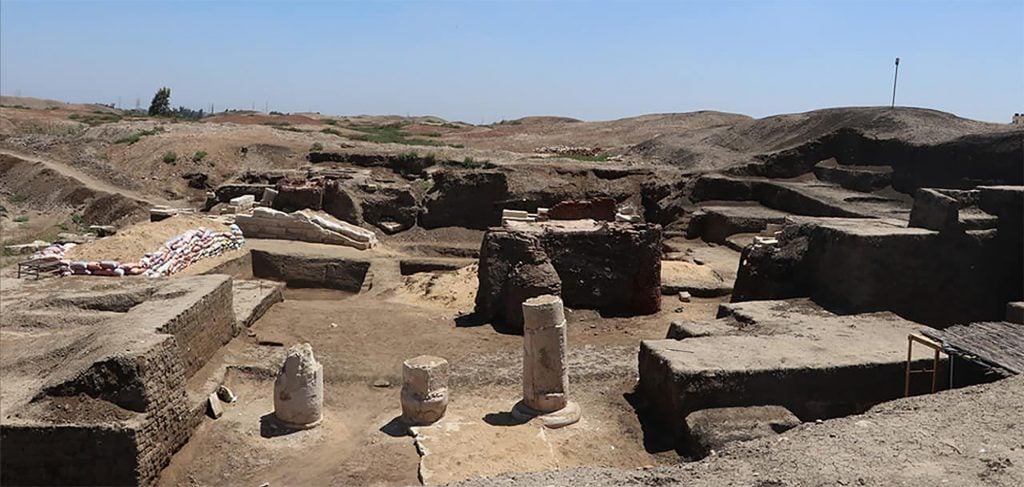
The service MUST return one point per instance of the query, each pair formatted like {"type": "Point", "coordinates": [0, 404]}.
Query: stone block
{"type": "Point", "coordinates": [1015, 312]}
{"type": "Point", "coordinates": [243, 202]}
{"type": "Point", "coordinates": [935, 211]}
{"type": "Point", "coordinates": [215, 409]}
{"type": "Point", "coordinates": [711, 429]}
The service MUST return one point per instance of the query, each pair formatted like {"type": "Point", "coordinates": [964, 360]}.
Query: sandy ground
{"type": "Point", "coordinates": [963, 437]}
{"type": "Point", "coordinates": [362, 340]}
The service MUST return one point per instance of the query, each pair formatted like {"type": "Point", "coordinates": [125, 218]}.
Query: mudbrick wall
{"type": "Point", "coordinates": [310, 270]}
{"type": "Point", "coordinates": [612, 267]}
{"type": "Point", "coordinates": [169, 419]}
{"type": "Point", "coordinates": [930, 277]}
{"type": "Point", "coordinates": [202, 328]}
{"type": "Point", "coordinates": [132, 452]}
{"type": "Point", "coordinates": [141, 370]}
{"type": "Point", "coordinates": [810, 393]}
{"type": "Point", "coordinates": [68, 455]}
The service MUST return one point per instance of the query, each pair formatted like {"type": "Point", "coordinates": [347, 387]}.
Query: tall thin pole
{"type": "Point", "coordinates": [894, 76]}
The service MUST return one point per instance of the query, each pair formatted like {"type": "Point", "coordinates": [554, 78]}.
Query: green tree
{"type": "Point", "coordinates": [161, 104]}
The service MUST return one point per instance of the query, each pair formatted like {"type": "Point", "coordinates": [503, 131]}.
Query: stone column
{"type": "Point", "coordinates": [299, 389]}
{"type": "Point", "coordinates": [545, 377]}
{"type": "Point", "coordinates": [545, 374]}
{"type": "Point", "coordinates": [424, 390]}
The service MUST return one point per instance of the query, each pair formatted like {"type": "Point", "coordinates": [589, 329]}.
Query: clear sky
{"type": "Point", "coordinates": [486, 60]}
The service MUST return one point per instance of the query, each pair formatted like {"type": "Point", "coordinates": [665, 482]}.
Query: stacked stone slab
{"type": "Point", "coordinates": [424, 390]}
{"type": "Point", "coordinates": [299, 389]}
{"type": "Point", "coordinates": [305, 225]}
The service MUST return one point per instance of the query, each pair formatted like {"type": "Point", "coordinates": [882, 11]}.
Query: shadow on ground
{"type": "Point", "coordinates": [657, 433]}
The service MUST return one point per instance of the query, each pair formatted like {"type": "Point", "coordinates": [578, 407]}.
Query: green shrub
{"type": "Point", "coordinates": [133, 138]}
{"type": "Point", "coordinates": [199, 156]}
{"type": "Point", "coordinates": [170, 156]}
{"type": "Point", "coordinates": [18, 198]}
{"type": "Point", "coordinates": [330, 131]}
{"type": "Point", "coordinates": [597, 158]}
{"type": "Point", "coordinates": [331, 121]}
{"type": "Point", "coordinates": [470, 163]}
{"type": "Point", "coordinates": [407, 157]}
{"type": "Point", "coordinates": [21, 219]}
{"type": "Point", "coordinates": [316, 147]}
{"type": "Point", "coordinates": [288, 128]}
{"type": "Point", "coordinates": [425, 184]}
{"type": "Point", "coordinates": [77, 219]}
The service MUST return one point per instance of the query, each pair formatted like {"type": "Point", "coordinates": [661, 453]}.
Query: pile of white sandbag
{"type": "Point", "coordinates": [176, 254]}
{"type": "Point", "coordinates": [189, 247]}
{"type": "Point", "coordinates": [55, 251]}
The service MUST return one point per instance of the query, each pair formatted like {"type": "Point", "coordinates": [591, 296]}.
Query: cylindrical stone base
{"type": "Point", "coordinates": [299, 389]}
{"type": "Point", "coordinates": [545, 375]}
{"type": "Point", "coordinates": [424, 389]}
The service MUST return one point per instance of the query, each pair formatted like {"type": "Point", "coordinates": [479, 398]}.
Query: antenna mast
{"type": "Point", "coordinates": [894, 76]}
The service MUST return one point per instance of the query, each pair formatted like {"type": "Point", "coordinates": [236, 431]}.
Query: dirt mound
{"type": "Point", "coordinates": [455, 290]}
{"type": "Point", "coordinates": [44, 187]}
{"type": "Point", "coordinates": [43, 104]}
{"type": "Point", "coordinates": [718, 147]}
{"type": "Point", "coordinates": [530, 133]}
{"type": "Point", "coordinates": [262, 119]}
{"type": "Point", "coordinates": [132, 243]}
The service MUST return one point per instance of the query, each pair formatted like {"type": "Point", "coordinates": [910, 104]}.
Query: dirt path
{"type": "Point", "coordinates": [90, 181]}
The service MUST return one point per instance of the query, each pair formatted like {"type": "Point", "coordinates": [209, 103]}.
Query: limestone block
{"type": "Point", "coordinates": [225, 394]}
{"type": "Point", "coordinates": [216, 409]}
{"type": "Point", "coordinates": [268, 197]}
{"type": "Point", "coordinates": [424, 390]}
{"type": "Point", "coordinates": [299, 389]}
{"type": "Point", "coordinates": [243, 202]}
{"type": "Point", "coordinates": [545, 375]}
{"type": "Point", "coordinates": [1015, 312]}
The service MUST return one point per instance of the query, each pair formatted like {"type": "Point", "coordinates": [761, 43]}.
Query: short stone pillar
{"type": "Point", "coordinates": [424, 390]}
{"type": "Point", "coordinates": [299, 389]}
{"type": "Point", "coordinates": [545, 372]}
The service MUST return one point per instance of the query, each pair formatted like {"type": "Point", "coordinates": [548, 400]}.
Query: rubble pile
{"type": "Point", "coordinates": [567, 150]}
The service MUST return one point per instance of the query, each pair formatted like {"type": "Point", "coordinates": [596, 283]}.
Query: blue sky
{"type": "Point", "coordinates": [485, 61]}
